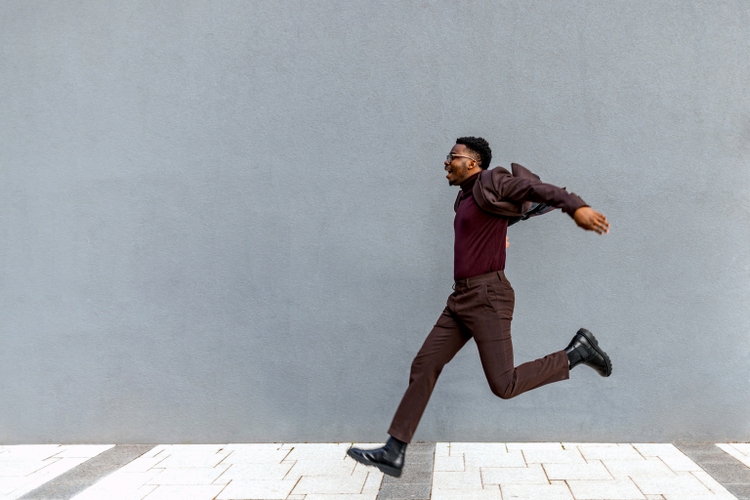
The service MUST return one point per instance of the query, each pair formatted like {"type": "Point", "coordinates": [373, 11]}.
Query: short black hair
{"type": "Point", "coordinates": [480, 147]}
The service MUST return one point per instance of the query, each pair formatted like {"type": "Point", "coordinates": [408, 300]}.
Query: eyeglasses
{"type": "Point", "coordinates": [450, 157]}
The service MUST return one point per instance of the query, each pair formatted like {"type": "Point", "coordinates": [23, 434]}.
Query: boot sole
{"type": "Point", "coordinates": [385, 469]}
{"type": "Point", "coordinates": [595, 344]}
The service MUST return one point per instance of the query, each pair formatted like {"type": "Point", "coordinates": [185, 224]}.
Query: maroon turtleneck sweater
{"type": "Point", "coordinates": [480, 237]}
{"type": "Point", "coordinates": [479, 247]}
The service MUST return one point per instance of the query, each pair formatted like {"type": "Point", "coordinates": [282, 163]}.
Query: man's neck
{"type": "Point", "coordinates": [468, 184]}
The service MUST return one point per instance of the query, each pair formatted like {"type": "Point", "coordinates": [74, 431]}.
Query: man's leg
{"type": "Point", "coordinates": [444, 341]}
{"type": "Point", "coordinates": [489, 316]}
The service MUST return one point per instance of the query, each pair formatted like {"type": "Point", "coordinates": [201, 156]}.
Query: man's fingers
{"type": "Point", "coordinates": [602, 223]}
{"type": "Point", "coordinates": [591, 220]}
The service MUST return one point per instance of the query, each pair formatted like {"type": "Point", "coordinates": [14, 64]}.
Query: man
{"type": "Point", "coordinates": [481, 305]}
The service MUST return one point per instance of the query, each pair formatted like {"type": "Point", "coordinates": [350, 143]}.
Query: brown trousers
{"type": "Point", "coordinates": [480, 307]}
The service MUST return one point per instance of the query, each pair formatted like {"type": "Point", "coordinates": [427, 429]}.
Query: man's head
{"type": "Point", "coordinates": [469, 156]}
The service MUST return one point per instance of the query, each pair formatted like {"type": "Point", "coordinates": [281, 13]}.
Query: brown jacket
{"type": "Point", "coordinates": [512, 195]}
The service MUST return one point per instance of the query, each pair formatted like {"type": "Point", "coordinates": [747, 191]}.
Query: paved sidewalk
{"type": "Point", "coordinates": [323, 471]}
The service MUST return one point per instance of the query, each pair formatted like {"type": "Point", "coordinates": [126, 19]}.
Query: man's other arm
{"type": "Point", "coordinates": [520, 190]}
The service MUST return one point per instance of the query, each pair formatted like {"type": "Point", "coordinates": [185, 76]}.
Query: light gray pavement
{"type": "Point", "coordinates": [323, 471]}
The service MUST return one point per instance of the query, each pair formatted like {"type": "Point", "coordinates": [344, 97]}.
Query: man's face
{"type": "Point", "coordinates": [458, 167]}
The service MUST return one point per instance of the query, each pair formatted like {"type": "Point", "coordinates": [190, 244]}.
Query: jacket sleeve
{"type": "Point", "coordinates": [520, 189]}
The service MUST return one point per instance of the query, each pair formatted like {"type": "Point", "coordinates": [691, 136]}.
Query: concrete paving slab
{"type": "Point", "coordinates": [415, 482]}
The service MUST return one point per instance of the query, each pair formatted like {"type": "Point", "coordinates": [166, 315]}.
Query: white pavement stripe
{"type": "Point", "coordinates": [579, 471]}
{"type": "Point", "coordinates": [740, 451]}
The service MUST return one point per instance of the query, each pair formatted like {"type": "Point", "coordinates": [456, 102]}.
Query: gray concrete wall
{"type": "Point", "coordinates": [228, 221]}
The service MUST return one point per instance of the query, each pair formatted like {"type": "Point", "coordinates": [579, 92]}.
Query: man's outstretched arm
{"type": "Point", "coordinates": [522, 189]}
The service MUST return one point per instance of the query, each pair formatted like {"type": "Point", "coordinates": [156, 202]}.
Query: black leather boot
{"type": "Point", "coordinates": [585, 349]}
{"type": "Point", "coordinates": [389, 458]}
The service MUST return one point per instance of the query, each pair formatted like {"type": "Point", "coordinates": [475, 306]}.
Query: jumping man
{"type": "Point", "coordinates": [481, 305]}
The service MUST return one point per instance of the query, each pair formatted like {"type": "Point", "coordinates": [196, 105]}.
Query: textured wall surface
{"type": "Point", "coordinates": [228, 221]}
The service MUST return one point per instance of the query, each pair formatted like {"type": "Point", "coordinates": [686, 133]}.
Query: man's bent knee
{"type": "Point", "coordinates": [503, 391]}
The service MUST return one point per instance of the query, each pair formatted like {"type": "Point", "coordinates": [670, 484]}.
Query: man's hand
{"type": "Point", "coordinates": [591, 220]}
